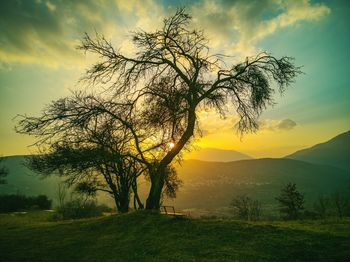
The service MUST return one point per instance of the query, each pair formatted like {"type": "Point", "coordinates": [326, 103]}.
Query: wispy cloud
{"type": "Point", "coordinates": [237, 25]}
{"type": "Point", "coordinates": [277, 125]}
{"type": "Point", "coordinates": [47, 31]}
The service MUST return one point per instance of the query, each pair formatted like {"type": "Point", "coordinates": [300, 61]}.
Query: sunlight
{"type": "Point", "coordinates": [171, 145]}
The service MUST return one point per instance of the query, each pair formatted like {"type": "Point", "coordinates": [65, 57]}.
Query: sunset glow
{"type": "Point", "coordinates": [39, 62]}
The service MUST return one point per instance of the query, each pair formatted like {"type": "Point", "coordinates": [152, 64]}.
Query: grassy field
{"type": "Point", "coordinates": [144, 236]}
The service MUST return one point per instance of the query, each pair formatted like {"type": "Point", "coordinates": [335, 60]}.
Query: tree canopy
{"type": "Point", "coordinates": [156, 93]}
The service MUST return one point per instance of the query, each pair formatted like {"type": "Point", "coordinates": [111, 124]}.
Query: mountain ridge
{"type": "Point", "coordinates": [211, 154]}
{"type": "Point", "coordinates": [335, 152]}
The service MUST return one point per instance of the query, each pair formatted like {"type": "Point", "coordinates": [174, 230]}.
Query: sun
{"type": "Point", "coordinates": [171, 145]}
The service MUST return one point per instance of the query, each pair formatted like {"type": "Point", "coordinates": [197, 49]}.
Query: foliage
{"type": "Point", "coordinates": [341, 204]}
{"type": "Point", "coordinates": [3, 173]}
{"type": "Point", "coordinates": [246, 208]}
{"type": "Point", "coordinates": [291, 202]}
{"type": "Point", "coordinates": [12, 203]}
{"type": "Point", "coordinates": [153, 95]}
{"type": "Point", "coordinates": [92, 157]}
{"type": "Point", "coordinates": [335, 204]}
{"type": "Point", "coordinates": [79, 208]}
{"type": "Point", "coordinates": [141, 236]}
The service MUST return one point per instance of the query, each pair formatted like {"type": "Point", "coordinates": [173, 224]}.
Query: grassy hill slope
{"type": "Point", "coordinates": [143, 236]}
{"type": "Point", "coordinates": [334, 152]}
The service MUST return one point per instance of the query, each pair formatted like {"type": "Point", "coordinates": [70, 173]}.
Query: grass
{"type": "Point", "coordinates": [144, 236]}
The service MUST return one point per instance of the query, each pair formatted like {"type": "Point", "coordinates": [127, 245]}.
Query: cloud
{"type": "Point", "coordinates": [210, 122]}
{"type": "Point", "coordinates": [47, 31]}
{"type": "Point", "coordinates": [237, 25]}
{"type": "Point", "coordinates": [277, 125]}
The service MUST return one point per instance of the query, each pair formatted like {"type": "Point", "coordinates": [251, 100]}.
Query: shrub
{"type": "Point", "coordinates": [79, 208]}
{"type": "Point", "coordinates": [246, 208]}
{"type": "Point", "coordinates": [13, 203]}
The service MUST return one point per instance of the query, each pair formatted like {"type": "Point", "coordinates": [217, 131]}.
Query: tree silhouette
{"type": "Point", "coordinates": [92, 151]}
{"type": "Point", "coordinates": [170, 77]}
{"type": "Point", "coordinates": [291, 201]}
{"type": "Point", "coordinates": [3, 173]}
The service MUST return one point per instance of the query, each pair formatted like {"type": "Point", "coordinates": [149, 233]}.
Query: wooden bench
{"type": "Point", "coordinates": [170, 211]}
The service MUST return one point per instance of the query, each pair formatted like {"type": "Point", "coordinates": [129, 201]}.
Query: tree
{"type": "Point", "coordinates": [322, 206]}
{"type": "Point", "coordinates": [168, 80]}
{"type": "Point", "coordinates": [340, 203]}
{"type": "Point", "coordinates": [291, 201]}
{"type": "Point", "coordinates": [91, 151]}
{"type": "Point", "coordinates": [247, 208]}
{"type": "Point", "coordinates": [172, 76]}
{"type": "Point", "coordinates": [3, 173]}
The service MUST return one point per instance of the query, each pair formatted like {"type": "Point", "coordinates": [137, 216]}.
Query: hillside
{"type": "Point", "coordinates": [211, 185]}
{"type": "Point", "coordinates": [144, 236]}
{"type": "Point", "coordinates": [334, 152]}
{"type": "Point", "coordinates": [216, 155]}
{"type": "Point", "coordinates": [208, 187]}
{"type": "Point", "coordinates": [24, 181]}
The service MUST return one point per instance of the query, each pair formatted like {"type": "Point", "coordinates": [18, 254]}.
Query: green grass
{"type": "Point", "coordinates": [144, 236]}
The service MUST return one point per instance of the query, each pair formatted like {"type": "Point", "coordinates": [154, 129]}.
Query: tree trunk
{"type": "Point", "coordinates": [137, 199]}
{"type": "Point", "coordinates": [154, 196]}
{"type": "Point", "coordinates": [158, 173]}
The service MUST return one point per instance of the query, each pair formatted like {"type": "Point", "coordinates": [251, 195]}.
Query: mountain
{"type": "Point", "coordinates": [22, 180]}
{"type": "Point", "coordinates": [212, 185]}
{"type": "Point", "coordinates": [217, 155]}
{"type": "Point", "coordinates": [208, 187]}
{"type": "Point", "coordinates": [335, 152]}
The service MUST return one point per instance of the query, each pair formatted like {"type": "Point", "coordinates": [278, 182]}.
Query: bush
{"type": "Point", "coordinates": [246, 208]}
{"type": "Point", "coordinates": [333, 205]}
{"type": "Point", "coordinates": [79, 208]}
{"type": "Point", "coordinates": [13, 203]}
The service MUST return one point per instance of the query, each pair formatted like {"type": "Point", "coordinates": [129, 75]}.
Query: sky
{"type": "Point", "coordinates": [39, 61]}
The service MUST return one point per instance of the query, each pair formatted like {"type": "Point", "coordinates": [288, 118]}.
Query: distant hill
{"type": "Point", "coordinates": [24, 181]}
{"type": "Point", "coordinates": [208, 187]}
{"type": "Point", "coordinates": [217, 155]}
{"type": "Point", "coordinates": [335, 152]}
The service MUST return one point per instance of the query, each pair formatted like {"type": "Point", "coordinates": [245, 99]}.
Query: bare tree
{"type": "Point", "coordinates": [340, 203]}
{"type": "Point", "coordinates": [172, 76]}
{"type": "Point", "coordinates": [246, 208]}
{"type": "Point", "coordinates": [61, 194]}
{"type": "Point", "coordinates": [91, 150]}
{"type": "Point", "coordinates": [322, 206]}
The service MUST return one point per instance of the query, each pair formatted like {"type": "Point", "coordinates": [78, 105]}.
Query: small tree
{"type": "Point", "coordinates": [3, 173]}
{"type": "Point", "coordinates": [340, 203]}
{"type": "Point", "coordinates": [291, 202]}
{"type": "Point", "coordinates": [246, 208]}
{"type": "Point", "coordinates": [61, 194]}
{"type": "Point", "coordinates": [322, 206]}
{"type": "Point", "coordinates": [94, 152]}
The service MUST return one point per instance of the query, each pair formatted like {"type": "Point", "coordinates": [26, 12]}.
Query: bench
{"type": "Point", "coordinates": [170, 211]}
